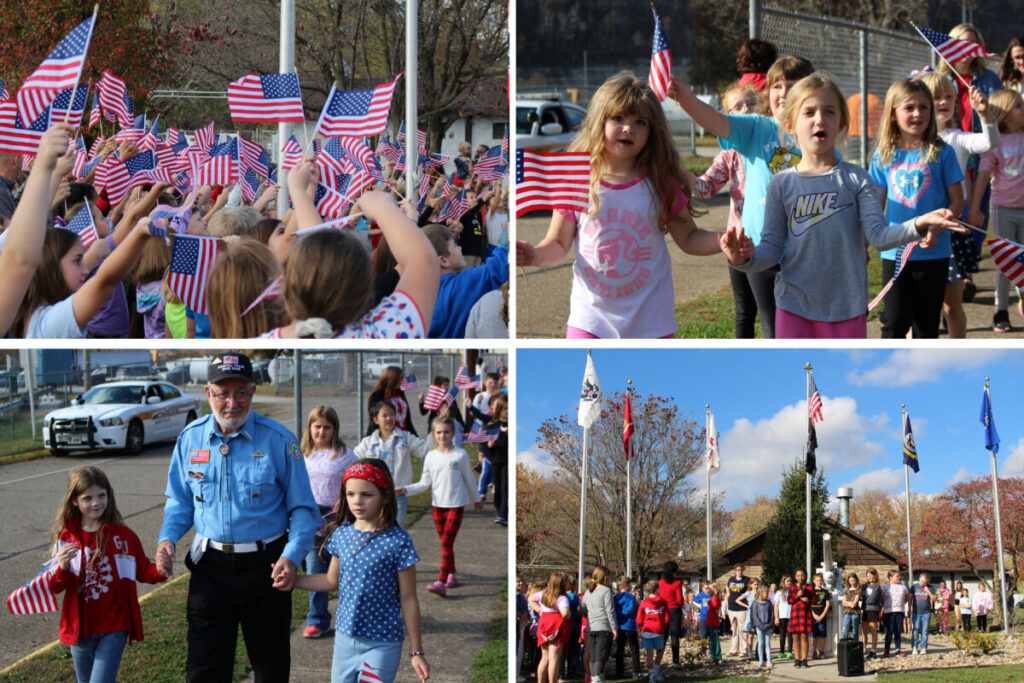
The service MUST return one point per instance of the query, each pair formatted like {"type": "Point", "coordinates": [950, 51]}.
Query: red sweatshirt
{"type": "Point", "coordinates": [652, 615]}
{"type": "Point", "coordinates": [128, 564]}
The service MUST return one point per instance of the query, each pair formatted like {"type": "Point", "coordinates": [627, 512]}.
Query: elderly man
{"type": "Point", "coordinates": [239, 478]}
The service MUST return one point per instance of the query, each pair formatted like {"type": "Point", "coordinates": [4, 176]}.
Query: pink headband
{"type": "Point", "coordinates": [362, 470]}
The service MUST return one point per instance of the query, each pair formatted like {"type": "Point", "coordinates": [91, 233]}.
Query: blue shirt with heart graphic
{"type": "Point", "coordinates": [913, 188]}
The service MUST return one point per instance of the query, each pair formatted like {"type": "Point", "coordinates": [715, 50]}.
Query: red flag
{"type": "Point", "coordinates": [627, 428]}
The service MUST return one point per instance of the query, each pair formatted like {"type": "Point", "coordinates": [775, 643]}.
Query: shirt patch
{"type": "Point", "coordinates": [199, 455]}
{"type": "Point", "coordinates": [257, 454]}
{"type": "Point", "coordinates": [293, 448]}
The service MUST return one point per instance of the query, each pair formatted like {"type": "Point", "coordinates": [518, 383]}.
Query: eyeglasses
{"type": "Point", "coordinates": [238, 396]}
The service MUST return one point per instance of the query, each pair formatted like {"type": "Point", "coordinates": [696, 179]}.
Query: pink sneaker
{"type": "Point", "coordinates": [452, 582]}
{"type": "Point", "coordinates": [312, 632]}
{"type": "Point", "coordinates": [438, 588]}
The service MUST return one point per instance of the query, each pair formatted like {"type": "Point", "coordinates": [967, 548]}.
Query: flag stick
{"type": "Point", "coordinates": [807, 477]}
{"type": "Point", "coordinates": [707, 497]}
{"type": "Point", "coordinates": [629, 495]}
{"type": "Point", "coordinates": [906, 482]}
{"type": "Point", "coordinates": [999, 528]}
{"type": "Point", "coordinates": [74, 88]}
{"type": "Point", "coordinates": [952, 70]}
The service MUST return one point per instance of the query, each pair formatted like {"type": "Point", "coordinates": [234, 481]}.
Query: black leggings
{"type": "Point", "coordinates": [754, 293]}
{"type": "Point", "coordinates": [675, 616]}
{"type": "Point", "coordinates": [982, 622]}
{"type": "Point", "coordinates": [783, 634]}
{"type": "Point", "coordinates": [599, 645]}
{"type": "Point", "coordinates": [621, 641]}
{"type": "Point", "coordinates": [915, 300]}
{"type": "Point", "coordinates": [965, 621]}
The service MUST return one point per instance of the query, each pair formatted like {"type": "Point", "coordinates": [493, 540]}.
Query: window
{"type": "Point", "coordinates": [498, 130]}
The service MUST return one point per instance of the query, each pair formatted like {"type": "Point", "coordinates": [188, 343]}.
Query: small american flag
{"type": "Point", "coordinates": [291, 154]}
{"type": "Point", "coordinates": [250, 185]}
{"type": "Point", "coordinates": [435, 397]}
{"type": "Point", "coordinates": [358, 182]}
{"type": "Point", "coordinates": [15, 136]}
{"type": "Point", "coordinates": [661, 60]}
{"type": "Point", "coordinates": [330, 201]}
{"type": "Point", "coordinates": [814, 402]}
{"type": "Point", "coordinates": [97, 145]}
{"type": "Point", "coordinates": [904, 253]}
{"type": "Point", "coordinates": [61, 69]}
{"type": "Point", "coordinates": [273, 291]}
{"type": "Point", "coordinates": [552, 180]}
{"type": "Point", "coordinates": [421, 136]}
{"type": "Point", "coordinates": [192, 258]}
{"type": "Point", "coordinates": [94, 113]}
{"type": "Point", "coordinates": [409, 383]}
{"type": "Point", "coordinates": [5, 94]}
{"type": "Point", "coordinates": [150, 137]}
{"type": "Point", "coordinates": [952, 49]}
{"type": "Point", "coordinates": [223, 166]}
{"type": "Point", "coordinates": [83, 225]}
{"type": "Point", "coordinates": [81, 157]}
{"type": "Point", "coordinates": [272, 98]}
{"type": "Point", "coordinates": [35, 597]}
{"type": "Point", "coordinates": [113, 91]}
{"type": "Point", "coordinates": [59, 108]}
{"type": "Point", "coordinates": [332, 159]}
{"type": "Point", "coordinates": [455, 208]}
{"type": "Point", "coordinates": [479, 434]}
{"type": "Point", "coordinates": [465, 382]}
{"type": "Point", "coordinates": [177, 140]}
{"type": "Point", "coordinates": [1009, 259]}
{"type": "Point", "coordinates": [491, 165]}
{"type": "Point", "coordinates": [120, 177]}
{"type": "Point", "coordinates": [360, 155]}
{"type": "Point", "coordinates": [388, 150]}
{"type": "Point", "coordinates": [204, 137]}
{"type": "Point", "coordinates": [504, 144]}
{"type": "Point", "coordinates": [357, 112]}
{"type": "Point", "coordinates": [368, 675]}
{"type": "Point", "coordinates": [254, 156]}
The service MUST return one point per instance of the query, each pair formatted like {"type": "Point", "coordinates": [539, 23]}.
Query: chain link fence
{"type": "Point", "coordinates": [862, 59]}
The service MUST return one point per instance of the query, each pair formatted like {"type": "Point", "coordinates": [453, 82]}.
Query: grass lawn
{"type": "Point", "coordinates": [696, 677]}
{"type": "Point", "coordinates": [491, 662]}
{"type": "Point", "coordinates": [980, 674]}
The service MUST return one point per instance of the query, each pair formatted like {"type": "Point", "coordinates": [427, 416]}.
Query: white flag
{"type": "Point", "coordinates": [712, 444]}
{"type": "Point", "coordinates": [591, 397]}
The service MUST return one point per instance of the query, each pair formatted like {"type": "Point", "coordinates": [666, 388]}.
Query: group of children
{"type": "Point", "coordinates": [553, 617]}
{"type": "Point", "coordinates": [362, 550]}
{"type": "Point", "coordinates": [801, 216]}
{"type": "Point", "coordinates": [397, 270]}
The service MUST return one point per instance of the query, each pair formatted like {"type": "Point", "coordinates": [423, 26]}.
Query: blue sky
{"type": "Point", "coordinates": [758, 398]}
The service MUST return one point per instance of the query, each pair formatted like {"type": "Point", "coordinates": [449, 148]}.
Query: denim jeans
{"type": "Point", "coordinates": [764, 645]}
{"type": "Point", "coordinates": [851, 625]}
{"type": "Point", "coordinates": [403, 508]}
{"type": "Point", "coordinates": [319, 615]}
{"type": "Point", "coordinates": [485, 477]}
{"type": "Point", "coordinates": [354, 655]}
{"type": "Point", "coordinates": [98, 657]}
{"type": "Point", "coordinates": [919, 636]}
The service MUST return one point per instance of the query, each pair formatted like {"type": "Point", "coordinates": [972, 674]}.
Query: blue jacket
{"type": "Point", "coordinates": [625, 610]}
{"type": "Point", "coordinates": [459, 291]}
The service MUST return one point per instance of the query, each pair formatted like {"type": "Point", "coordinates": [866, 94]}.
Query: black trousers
{"type": "Point", "coordinates": [982, 622]}
{"type": "Point", "coordinates": [627, 638]}
{"type": "Point", "coordinates": [915, 300]}
{"type": "Point", "coordinates": [500, 479]}
{"type": "Point", "coordinates": [754, 293]}
{"type": "Point", "coordinates": [599, 646]}
{"type": "Point", "coordinates": [675, 627]}
{"type": "Point", "coordinates": [228, 590]}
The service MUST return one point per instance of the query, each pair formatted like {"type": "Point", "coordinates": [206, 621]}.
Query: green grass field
{"type": "Point", "coordinates": [981, 674]}
{"type": "Point", "coordinates": [491, 662]}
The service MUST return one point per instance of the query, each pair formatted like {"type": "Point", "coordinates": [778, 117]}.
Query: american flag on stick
{"type": "Point", "coordinates": [661, 60]}
{"type": "Point", "coordinates": [409, 383]}
{"type": "Point", "coordinates": [359, 113]}
{"type": "Point", "coordinates": [438, 396]}
{"type": "Point", "coordinates": [479, 434]}
{"type": "Point", "coordinates": [94, 113]}
{"type": "Point", "coordinates": [291, 154]}
{"type": "Point", "coordinates": [83, 225]}
{"type": "Point", "coordinates": [360, 155]}
{"type": "Point", "coordinates": [254, 156]}
{"type": "Point", "coordinates": [15, 136]}
{"type": "Point", "coordinates": [330, 199]}
{"type": "Point", "coordinates": [35, 597]}
{"type": "Point", "coordinates": [421, 136]}
{"type": "Point", "coordinates": [59, 108]}
{"type": "Point", "coordinates": [205, 137]}
{"type": "Point", "coordinates": [61, 69]}
{"type": "Point", "coordinates": [273, 291]}
{"type": "Point", "coordinates": [952, 49]}
{"type": "Point", "coordinates": [273, 98]}
{"type": "Point", "coordinates": [5, 94]}
{"type": "Point", "coordinates": [904, 253]}
{"type": "Point", "coordinates": [455, 208]}
{"type": "Point", "coordinates": [177, 140]}
{"type": "Point", "coordinates": [113, 92]}
{"type": "Point", "coordinates": [465, 382]}
{"type": "Point", "coordinates": [492, 165]}
{"type": "Point", "coordinates": [223, 168]}
{"type": "Point", "coordinates": [552, 180]}
{"type": "Point", "coordinates": [1009, 259]}
{"type": "Point", "coordinates": [192, 258]}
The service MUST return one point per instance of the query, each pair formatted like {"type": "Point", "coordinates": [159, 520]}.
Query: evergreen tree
{"type": "Point", "coordinates": [784, 543]}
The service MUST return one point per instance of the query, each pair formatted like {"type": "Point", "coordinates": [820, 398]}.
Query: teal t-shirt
{"type": "Point", "coordinates": [913, 188]}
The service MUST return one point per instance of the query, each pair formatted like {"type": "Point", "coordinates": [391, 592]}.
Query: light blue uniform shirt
{"type": "Point", "coordinates": [257, 491]}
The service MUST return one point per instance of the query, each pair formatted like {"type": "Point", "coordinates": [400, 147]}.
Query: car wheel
{"type": "Point", "coordinates": [190, 418]}
{"type": "Point", "coordinates": [57, 452]}
{"type": "Point", "coordinates": [134, 439]}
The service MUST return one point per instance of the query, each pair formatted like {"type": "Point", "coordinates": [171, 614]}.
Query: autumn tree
{"type": "Point", "coordinates": [962, 528]}
{"type": "Point", "coordinates": [750, 517]}
{"type": "Point", "coordinates": [668, 501]}
{"type": "Point", "coordinates": [883, 515]}
{"type": "Point", "coordinates": [785, 539]}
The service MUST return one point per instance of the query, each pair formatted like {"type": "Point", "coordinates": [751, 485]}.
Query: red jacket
{"type": "Point", "coordinates": [129, 564]}
{"type": "Point", "coordinates": [671, 592]}
{"type": "Point", "coordinates": [652, 615]}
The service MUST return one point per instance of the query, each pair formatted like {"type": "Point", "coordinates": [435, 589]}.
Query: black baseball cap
{"type": "Point", "coordinates": [232, 365]}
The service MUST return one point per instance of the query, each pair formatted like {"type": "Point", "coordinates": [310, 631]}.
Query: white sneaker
{"type": "Point", "coordinates": [914, 652]}
{"type": "Point", "coordinates": [924, 651]}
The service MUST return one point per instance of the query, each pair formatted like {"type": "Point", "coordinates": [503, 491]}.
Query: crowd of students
{"type": "Point", "coordinates": [399, 269]}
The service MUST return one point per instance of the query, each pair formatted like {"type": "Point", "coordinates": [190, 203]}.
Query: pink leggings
{"type": "Point", "coordinates": [576, 333]}
{"type": "Point", "coordinates": [792, 326]}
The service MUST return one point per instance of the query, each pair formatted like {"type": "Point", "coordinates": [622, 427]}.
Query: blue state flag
{"type": "Point", "coordinates": [909, 448]}
{"type": "Point", "coordinates": [991, 435]}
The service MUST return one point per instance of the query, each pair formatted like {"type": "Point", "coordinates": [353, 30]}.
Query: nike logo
{"type": "Point", "coordinates": [812, 209]}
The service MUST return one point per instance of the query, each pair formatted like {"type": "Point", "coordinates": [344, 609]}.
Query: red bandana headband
{"type": "Point", "coordinates": [362, 470]}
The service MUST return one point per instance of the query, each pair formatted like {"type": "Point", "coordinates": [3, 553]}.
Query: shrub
{"type": "Point", "coordinates": [971, 641]}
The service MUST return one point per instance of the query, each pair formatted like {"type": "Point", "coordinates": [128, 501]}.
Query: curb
{"type": "Point", "coordinates": [49, 646]}
{"type": "Point", "coordinates": [21, 457]}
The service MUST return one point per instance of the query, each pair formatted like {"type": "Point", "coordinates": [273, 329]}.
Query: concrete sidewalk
{"type": "Point", "coordinates": [454, 628]}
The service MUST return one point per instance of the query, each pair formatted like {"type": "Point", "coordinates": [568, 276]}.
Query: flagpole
{"type": "Point", "coordinates": [74, 88]}
{"type": "Point", "coordinates": [583, 508]}
{"type": "Point", "coordinates": [411, 96]}
{"type": "Point", "coordinates": [286, 63]}
{"type": "Point", "coordinates": [906, 482]}
{"type": "Point", "coordinates": [707, 497]}
{"type": "Point", "coordinates": [807, 478]}
{"type": "Point", "coordinates": [999, 527]}
{"type": "Point", "coordinates": [629, 496]}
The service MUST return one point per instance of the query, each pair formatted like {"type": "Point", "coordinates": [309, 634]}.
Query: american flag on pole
{"type": "Point", "coordinates": [273, 291]}
{"type": "Point", "coordinates": [813, 401]}
{"type": "Point", "coordinates": [273, 98]}
{"type": "Point", "coordinates": [61, 69]}
{"type": "Point", "coordinates": [492, 165]}
{"type": "Point", "coordinates": [1009, 259]}
{"type": "Point", "coordinates": [504, 144]}
{"type": "Point", "coordinates": [952, 49]}
{"type": "Point", "coordinates": [480, 434]}
{"type": "Point", "coordinates": [192, 258]}
{"type": "Point", "coordinates": [113, 91]}
{"type": "Point", "coordinates": [357, 113]}
{"type": "Point", "coordinates": [83, 225]}
{"type": "Point", "coordinates": [35, 597]}
{"type": "Point", "coordinates": [661, 60]}
{"type": "Point", "coordinates": [291, 154]}
{"type": "Point", "coordinates": [409, 383]}
{"type": "Point", "coordinates": [552, 180]}
{"type": "Point", "coordinates": [627, 427]}
{"type": "Point", "coordinates": [904, 256]}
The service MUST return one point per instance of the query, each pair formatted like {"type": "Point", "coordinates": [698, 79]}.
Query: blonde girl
{"type": "Point", "coordinates": [974, 72]}
{"type": "Point", "coordinates": [327, 458]}
{"type": "Point", "coordinates": [766, 150]}
{"type": "Point", "coordinates": [852, 605]}
{"type": "Point", "coordinates": [782, 614]}
{"type": "Point", "coordinates": [964, 260]}
{"type": "Point", "coordinates": [1005, 167]}
{"type": "Point", "coordinates": [552, 604]}
{"type": "Point", "coordinates": [915, 172]}
{"type": "Point", "coordinates": [93, 552]}
{"type": "Point", "coordinates": [817, 217]}
{"type": "Point", "coordinates": [373, 568]}
{"type": "Point", "coordinates": [763, 616]}
{"type": "Point", "coordinates": [243, 270]}
{"type": "Point", "coordinates": [447, 472]}
{"type": "Point", "coordinates": [622, 278]}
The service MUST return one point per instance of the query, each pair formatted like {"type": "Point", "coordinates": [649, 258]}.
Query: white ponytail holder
{"type": "Point", "coordinates": [317, 328]}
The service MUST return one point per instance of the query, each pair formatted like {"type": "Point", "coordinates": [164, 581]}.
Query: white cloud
{"type": "Point", "coordinates": [1013, 464]}
{"type": "Point", "coordinates": [904, 368]}
{"type": "Point", "coordinates": [538, 460]}
{"type": "Point", "coordinates": [755, 453]}
{"type": "Point", "coordinates": [962, 474]}
{"type": "Point", "coordinates": [885, 479]}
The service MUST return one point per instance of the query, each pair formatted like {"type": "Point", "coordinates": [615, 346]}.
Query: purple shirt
{"type": "Point", "coordinates": [112, 319]}
{"type": "Point", "coordinates": [325, 474]}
